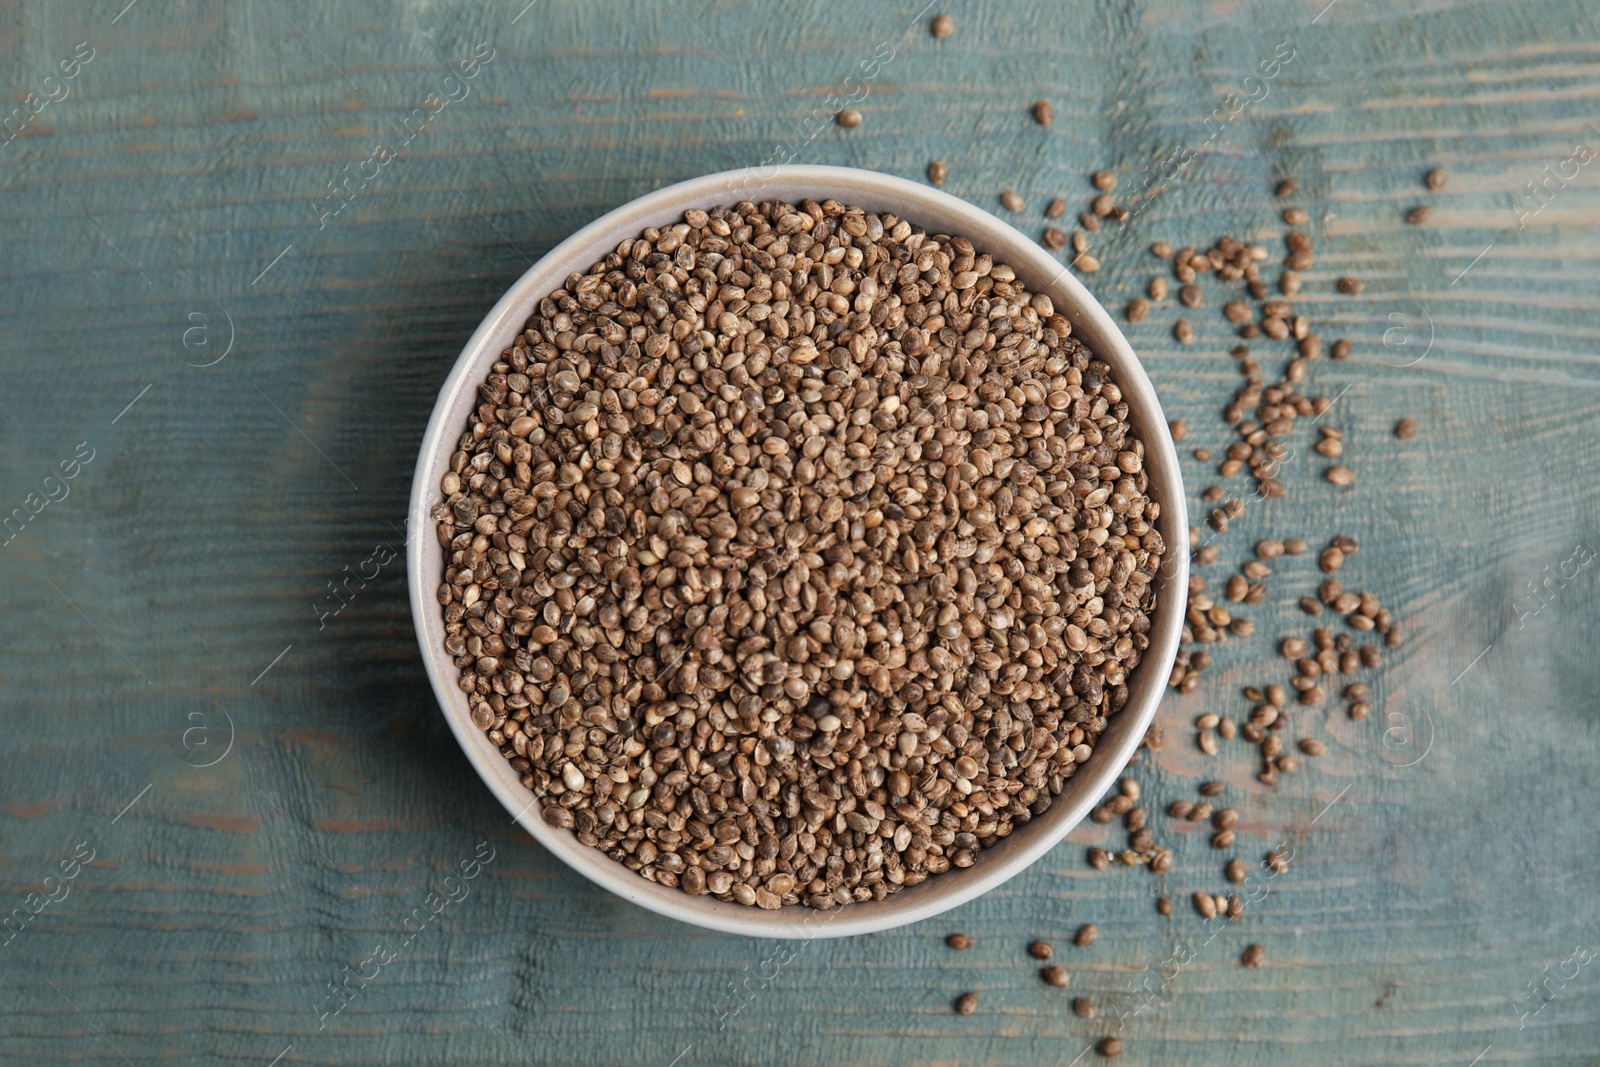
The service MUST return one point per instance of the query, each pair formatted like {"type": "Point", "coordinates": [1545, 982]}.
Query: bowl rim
{"type": "Point", "coordinates": [938, 212]}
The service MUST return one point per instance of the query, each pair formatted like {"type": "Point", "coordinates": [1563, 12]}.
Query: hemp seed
{"type": "Point", "coordinates": [672, 568]}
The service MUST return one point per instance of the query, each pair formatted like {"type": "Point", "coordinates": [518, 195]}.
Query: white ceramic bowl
{"type": "Point", "coordinates": [937, 212]}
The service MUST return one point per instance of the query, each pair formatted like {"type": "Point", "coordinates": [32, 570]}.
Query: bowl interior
{"type": "Point", "coordinates": [936, 212]}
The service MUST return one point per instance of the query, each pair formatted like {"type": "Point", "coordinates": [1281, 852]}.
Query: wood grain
{"type": "Point", "coordinates": [144, 611]}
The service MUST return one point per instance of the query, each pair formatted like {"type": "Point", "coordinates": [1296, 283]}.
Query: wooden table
{"type": "Point", "coordinates": [222, 793]}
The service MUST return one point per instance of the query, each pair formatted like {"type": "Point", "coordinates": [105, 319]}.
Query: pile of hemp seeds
{"type": "Point", "coordinates": [795, 555]}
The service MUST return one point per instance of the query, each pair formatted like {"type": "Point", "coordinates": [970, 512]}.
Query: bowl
{"type": "Point", "coordinates": [937, 212]}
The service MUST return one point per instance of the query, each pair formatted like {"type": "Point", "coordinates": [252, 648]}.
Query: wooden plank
{"type": "Point", "coordinates": [176, 589]}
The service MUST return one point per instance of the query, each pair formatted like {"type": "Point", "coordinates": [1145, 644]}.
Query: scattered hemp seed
{"type": "Point", "coordinates": [1041, 950]}
{"type": "Point", "coordinates": [1043, 113]}
{"type": "Point", "coordinates": [1419, 214]}
{"type": "Point", "coordinates": [1183, 332]}
{"type": "Point", "coordinates": [1083, 1008]}
{"type": "Point", "coordinates": [1011, 200]}
{"type": "Point", "coordinates": [959, 942]}
{"type": "Point", "coordinates": [966, 1003]}
{"type": "Point", "coordinates": [1137, 309]}
{"type": "Point", "coordinates": [1435, 179]}
{"type": "Point", "coordinates": [1340, 349]}
{"type": "Point", "coordinates": [1254, 956]}
{"type": "Point", "coordinates": [1109, 1047]}
{"type": "Point", "coordinates": [937, 172]}
{"type": "Point", "coordinates": [943, 26]}
{"type": "Point", "coordinates": [1178, 428]}
{"type": "Point", "coordinates": [1055, 238]}
{"type": "Point", "coordinates": [1350, 286]}
{"type": "Point", "coordinates": [1287, 187]}
{"type": "Point", "coordinates": [1341, 476]}
{"type": "Point", "coordinates": [849, 118]}
{"type": "Point", "coordinates": [1057, 208]}
{"type": "Point", "coordinates": [1405, 429]}
{"type": "Point", "coordinates": [1055, 976]}
{"type": "Point", "coordinates": [1296, 216]}
{"type": "Point", "coordinates": [1086, 935]}
{"type": "Point", "coordinates": [1235, 871]}
{"type": "Point", "coordinates": [1163, 906]}
{"type": "Point", "coordinates": [1104, 180]}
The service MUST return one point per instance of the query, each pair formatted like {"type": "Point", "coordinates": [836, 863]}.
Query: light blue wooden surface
{"type": "Point", "coordinates": [251, 380]}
